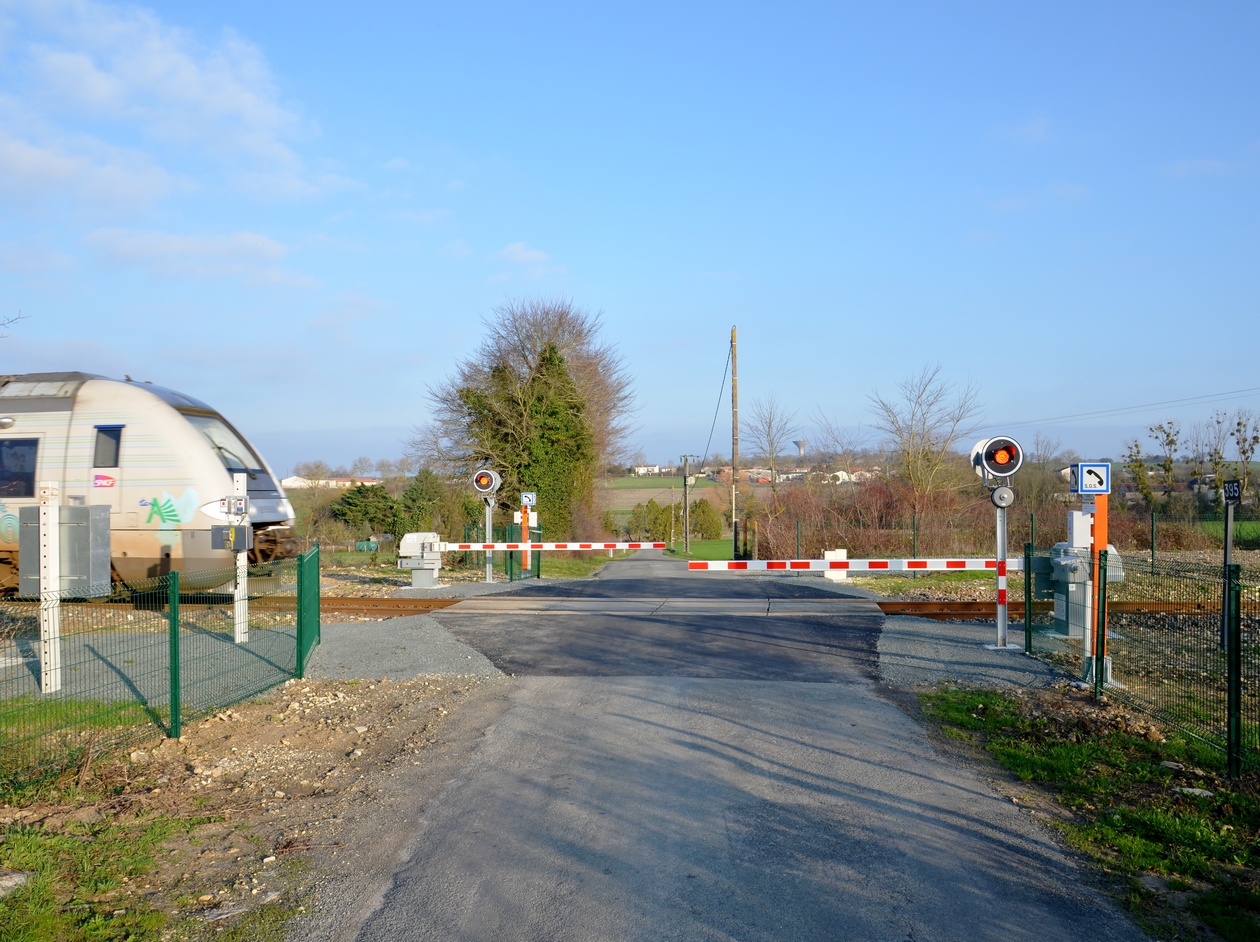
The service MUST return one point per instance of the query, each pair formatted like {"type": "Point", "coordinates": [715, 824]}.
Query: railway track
{"type": "Point", "coordinates": [393, 607]}
{"type": "Point", "coordinates": [939, 610]}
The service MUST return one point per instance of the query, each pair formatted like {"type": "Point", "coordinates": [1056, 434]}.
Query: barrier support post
{"type": "Point", "coordinates": [1001, 578]}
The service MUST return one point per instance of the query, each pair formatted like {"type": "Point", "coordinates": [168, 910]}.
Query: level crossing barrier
{"type": "Point", "coordinates": [854, 565]}
{"type": "Point", "coordinates": [510, 547]}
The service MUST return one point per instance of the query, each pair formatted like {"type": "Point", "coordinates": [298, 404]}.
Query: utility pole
{"type": "Point", "coordinates": [686, 460]}
{"type": "Point", "coordinates": [734, 447]}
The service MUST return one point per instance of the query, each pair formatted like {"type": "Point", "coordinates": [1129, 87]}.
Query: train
{"type": "Point", "coordinates": [160, 459]}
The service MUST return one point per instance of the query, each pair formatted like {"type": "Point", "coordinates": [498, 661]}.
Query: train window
{"type": "Point", "coordinates": [108, 442]}
{"type": "Point", "coordinates": [232, 451]}
{"type": "Point", "coordinates": [17, 466]}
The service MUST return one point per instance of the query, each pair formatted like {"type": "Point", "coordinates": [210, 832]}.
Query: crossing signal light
{"type": "Point", "coordinates": [1002, 457]}
{"type": "Point", "coordinates": [486, 481]}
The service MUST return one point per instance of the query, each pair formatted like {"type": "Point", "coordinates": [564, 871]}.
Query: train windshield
{"type": "Point", "coordinates": [230, 447]}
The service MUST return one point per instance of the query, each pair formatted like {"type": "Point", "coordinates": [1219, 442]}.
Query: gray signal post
{"type": "Point", "coordinates": [999, 457]}
{"type": "Point", "coordinates": [487, 482]}
{"type": "Point", "coordinates": [686, 460]}
{"type": "Point", "coordinates": [1232, 493]}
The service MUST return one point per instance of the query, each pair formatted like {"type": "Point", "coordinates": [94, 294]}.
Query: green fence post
{"type": "Point", "coordinates": [1100, 627]}
{"type": "Point", "coordinates": [798, 540]}
{"type": "Point", "coordinates": [172, 583]}
{"type": "Point", "coordinates": [1233, 672]}
{"type": "Point", "coordinates": [1152, 542]}
{"type": "Point", "coordinates": [1028, 576]}
{"type": "Point", "coordinates": [299, 659]}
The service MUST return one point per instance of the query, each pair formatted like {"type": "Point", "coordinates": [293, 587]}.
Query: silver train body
{"type": "Point", "coordinates": [159, 459]}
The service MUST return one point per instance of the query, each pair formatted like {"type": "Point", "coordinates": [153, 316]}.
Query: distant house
{"type": "Point", "coordinates": [643, 469]}
{"type": "Point", "coordinates": [297, 483]}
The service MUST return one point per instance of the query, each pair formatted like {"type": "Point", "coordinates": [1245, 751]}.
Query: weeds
{"type": "Point", "coordinates": [1125, 784]}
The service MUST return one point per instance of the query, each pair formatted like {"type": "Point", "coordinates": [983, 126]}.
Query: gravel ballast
{"type": "Point", "coordinates": [396, 648]}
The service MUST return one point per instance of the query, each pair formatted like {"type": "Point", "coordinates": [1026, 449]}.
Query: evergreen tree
{"type": "Point", "coordinates": [368, 509]}
{"type": "Point", "coordinates": [535, 434]}
{"type": "Point", "coordinates": [422, 501]}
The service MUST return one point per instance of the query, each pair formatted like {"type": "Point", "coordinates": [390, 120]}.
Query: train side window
{"type": "Point", "coordinates": [108, 443]}
{"type": "Point", "coordinates": [17, 466]}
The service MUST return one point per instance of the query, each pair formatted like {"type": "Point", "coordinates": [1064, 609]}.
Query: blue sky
{"type": "Point", "coordinates": [301, 213]}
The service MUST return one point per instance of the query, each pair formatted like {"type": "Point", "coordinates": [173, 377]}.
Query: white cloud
{"type": "Point", "coordinates": [457, 249]}
{"type": "Point", "coordinates": [84, 169]}
{"type": "Point", "coordinates": [348, 309]}
{"type": "Point", "coordinates": [1200, 167]}
{"type": "Point", "coordinates": [1070, 192]}
{"type": "Point", "coordinates": [80, 59]}
{"type": "Point", "coordinates": [246, 255]}
{"type": "Point", "coordinates": [1009, 204]}
{"type": "Point", "coordinates": [425, 217]}
{"type": "Point", "coordinates": [536, 259]}
{"type": "Point", "coordinates": [522, 253]}
{"type": "Point", "coordinates": [1030, 132]}
{"type": "Point", "coordinates": [399, 163]}
{"type": "Point", "coordinates": [33, 258]}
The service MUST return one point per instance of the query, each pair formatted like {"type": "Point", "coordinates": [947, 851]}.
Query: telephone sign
{"type": "Point", "coordinates": [1091, 478]}
{"type": "Point", "coordinates": [529, 498]}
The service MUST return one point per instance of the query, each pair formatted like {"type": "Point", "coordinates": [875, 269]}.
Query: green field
{"type": "Point", "coordinates": [703, 549]}
{"type": "Point", "coordinates": [1248, 530]}
{"type": "Point", "coordinates": [662, 483]}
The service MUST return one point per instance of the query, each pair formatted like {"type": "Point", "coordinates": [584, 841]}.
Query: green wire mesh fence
{"type": "Point", "coordinates": [143, 660]}
{"type": "Point", "coordinates": [1178, 641]}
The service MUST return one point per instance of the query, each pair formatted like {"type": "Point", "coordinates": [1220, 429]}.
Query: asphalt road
{"type": "Point", "coordinates": [682, 775]}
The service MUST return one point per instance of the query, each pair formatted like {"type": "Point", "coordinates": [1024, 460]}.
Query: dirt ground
{"type": "Point", "coordinates": [276, 782]}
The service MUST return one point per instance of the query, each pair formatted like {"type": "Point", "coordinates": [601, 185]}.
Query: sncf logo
{"type": "Point", "coordinates": [103, 480]}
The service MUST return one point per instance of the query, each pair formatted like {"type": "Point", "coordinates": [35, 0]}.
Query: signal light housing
{"type": "Point", "coordinates": [486, 481]}
{"type": "Point", "coordinates": [1001, 456]}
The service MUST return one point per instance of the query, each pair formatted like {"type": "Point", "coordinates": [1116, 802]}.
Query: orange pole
{"type": "Point", "coordinates": [1100, 544]}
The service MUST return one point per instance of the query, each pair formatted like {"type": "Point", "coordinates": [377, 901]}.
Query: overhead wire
{"type": "Point", "coordinates": [1128, 410]}
{"type": "Point", "coordinates": [721, 392]}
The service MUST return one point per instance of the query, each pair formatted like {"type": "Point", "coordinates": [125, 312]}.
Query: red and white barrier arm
{"type": "Point", "coordinates": [499, 547]}
{"type": "Point", "coordinates": [854, 565]}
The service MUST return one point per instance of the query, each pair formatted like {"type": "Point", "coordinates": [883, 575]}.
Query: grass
{"type": "Point", "coordinates": [895, 584]}
{"type": "Point", "coordinates": [702, 549]}
{"type": "Point", "coordinates": [656, 483]}
{"type": "Point", "coordinates": [577, 567]}
{"type": "Point", "coordinates": [77, 882]}
{"type": "Point", "coordinates": [1128, 816]}
{"type": "Point", "coordinates": [1248, 530]}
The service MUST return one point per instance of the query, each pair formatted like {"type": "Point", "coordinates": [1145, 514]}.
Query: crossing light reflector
{"type": "Point", "coordinates": [1002, 456]}
{"type": "Point", "coordinates": [486, 481]}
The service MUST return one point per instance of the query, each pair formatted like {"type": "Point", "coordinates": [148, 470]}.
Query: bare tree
{"type": "Point", "coordinates": [362, 466]}
{"type": "Point", "coordinates": [1167, 436]}
{"type": "Point", "coordinates": [1217, 431]}
{"type": "Point", "coordinates": [1045, 450]}
{"type": "Point", "coordinates": [922, 425]}
{"type": "Point", "coordinates": [9, 321]}
{"type": "Point", "coordinates": [313, 470]}
{"type": "Point", "coordinates": [768, 429]}
{"type": "Point", "coordinates": [517, 334]}
{"type": "Point", "coordinates": [1246, 439]}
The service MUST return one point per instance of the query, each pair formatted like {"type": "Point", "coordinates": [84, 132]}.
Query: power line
{"type": "Point", "coordinates": [721, 390]}
{"type": "Point", "coordinates": [1127, 410]}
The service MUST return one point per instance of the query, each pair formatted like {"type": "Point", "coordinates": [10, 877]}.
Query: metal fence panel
{"type": "Point", "coordinates": [1165, 641]}
{"type": "Point", "coordinates": [141, 659]}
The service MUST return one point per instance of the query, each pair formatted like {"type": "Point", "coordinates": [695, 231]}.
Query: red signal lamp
{"type": "Point", "coordinates": [486, 481]}
{"type": "Point", "coordinates": [1002, 456]}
